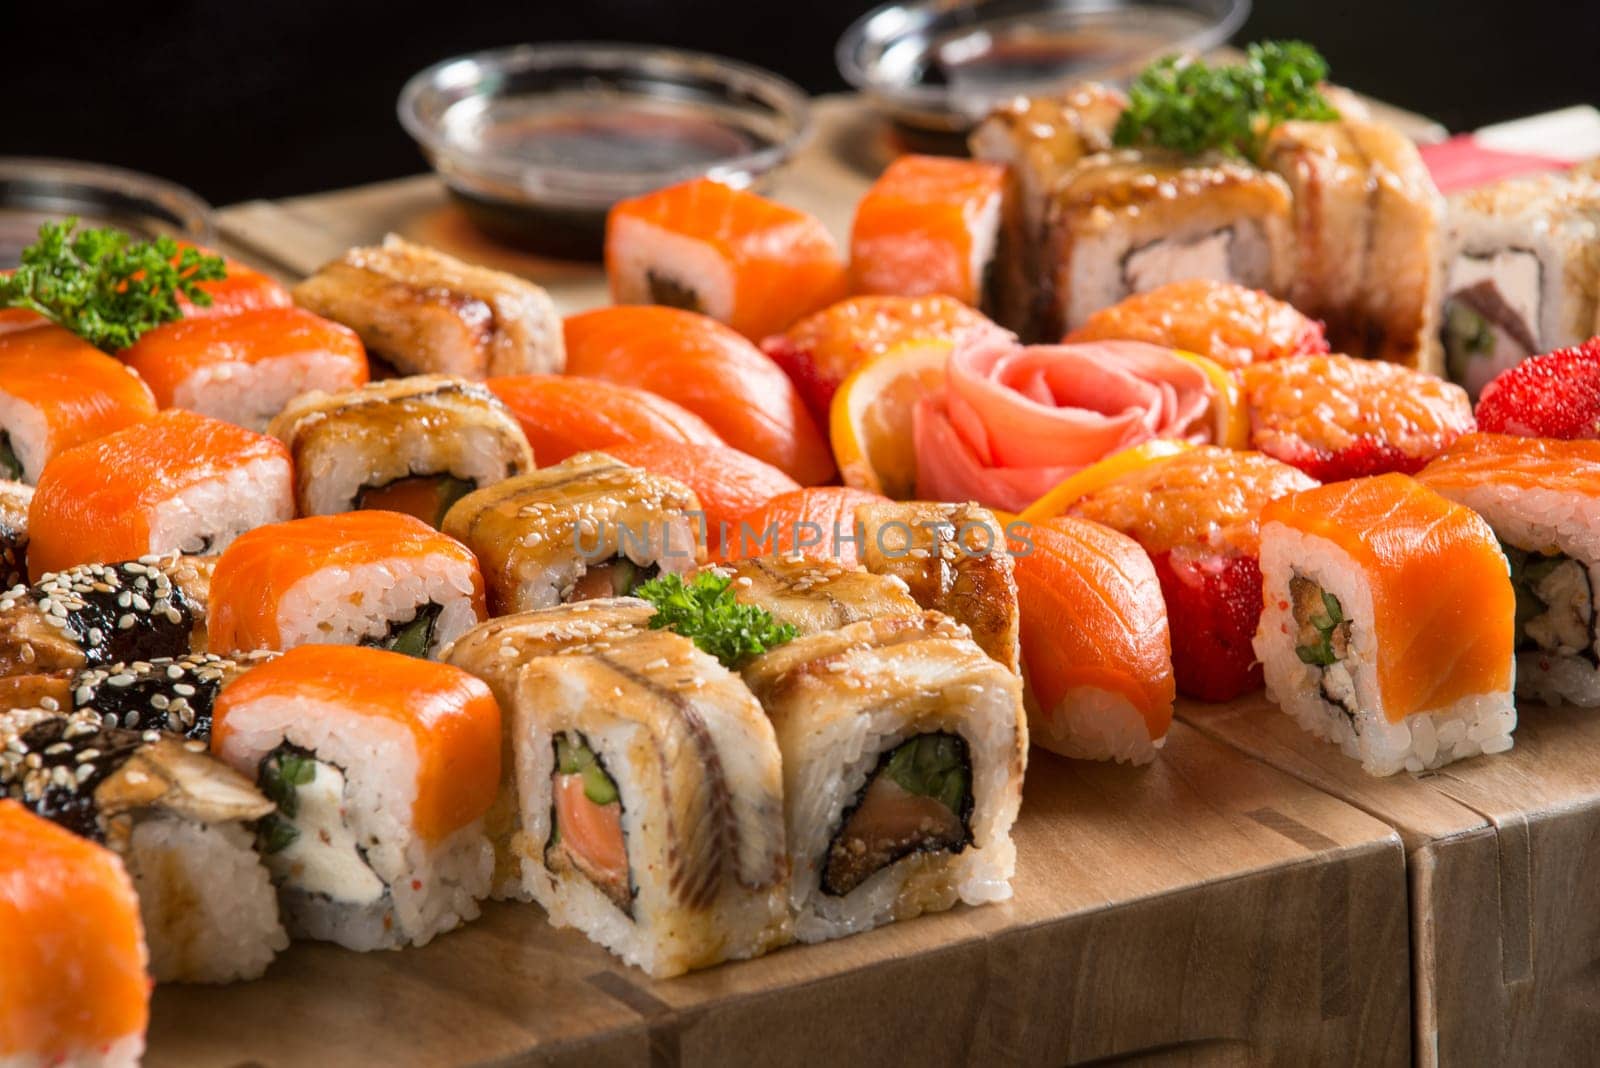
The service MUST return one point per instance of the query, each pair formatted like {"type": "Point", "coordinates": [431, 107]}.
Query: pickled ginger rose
{"type": "Point", "coordinates": [1014, 420]}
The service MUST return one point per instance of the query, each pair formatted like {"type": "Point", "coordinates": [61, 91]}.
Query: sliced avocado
{"type": "Point", "coordinates": [413, 637]}
{"type": "Point", "coordinates": [451, 490]}
{"type": "Point", "coordinates": [574, 757]}
{"type": "Point", "coordinates": [931, 765]}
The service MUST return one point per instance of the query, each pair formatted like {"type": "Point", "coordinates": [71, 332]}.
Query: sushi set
{"type": "Point", "coordinates": [377, 638]}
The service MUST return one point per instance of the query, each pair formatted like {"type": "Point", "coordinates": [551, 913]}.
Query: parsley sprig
{"type": "Point", "coordinates": [106, 287]}
{"type": "Point", "coordinates": [705, 610]}
{"type": "Point", "coordinates": [1181, 103]}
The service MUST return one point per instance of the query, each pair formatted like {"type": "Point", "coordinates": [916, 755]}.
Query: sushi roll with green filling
{"type": "Point", "coordinates": [179, 819]}
{"type": "Point", "coordinates": [652, 803]}
{"type": "Point", "coordinates": [415, 445]}
{"type": "Point", "coordinates": [590, 526]}
{"type": "Point", "coordinates": [904, 746]}
{"type": "Point", "coordinates": [382, 767]}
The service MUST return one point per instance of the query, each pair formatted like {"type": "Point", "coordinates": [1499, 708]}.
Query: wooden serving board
{"type": "Point", "coordinates": [1503, 855]}
{"type": "Point", "coordinates": [1205, 909]}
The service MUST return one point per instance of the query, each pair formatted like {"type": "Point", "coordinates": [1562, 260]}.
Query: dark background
{"type": "Point", "coordinates": [253, 98]}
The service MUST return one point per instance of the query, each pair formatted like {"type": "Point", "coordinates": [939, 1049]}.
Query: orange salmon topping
{"type": "Point", "coordinates": [451, 715]}
{"type": "Point", "coordinates": [73, 949]}
{"type": "Point", "coordinates": [591, 833]}
{"type": "Point", "coordinates": [1442, 600]}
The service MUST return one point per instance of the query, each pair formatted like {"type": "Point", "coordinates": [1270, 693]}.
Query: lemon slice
{"type": "Point", "coordinates": [870, 421]}
{"type": "Point", "coordinates": [1098, 474]}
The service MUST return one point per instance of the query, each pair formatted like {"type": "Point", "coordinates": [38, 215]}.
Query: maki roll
{"type": "Point", "coordinates": [1336, 417]}
{"type": "Point", "coordinates": [1521, 276]}
{"type": "Point", "coordinates": [378, 579]}
{"type": "Point", "coordinates": [423, 312]}
{"type": "Point", "coordinates": [174, 694]}
{"type": "Point", "coordinates": [815, 596]}
{"type": "Point", "coordinates": [651, 800]}
{"type": "Point", "coordinates": [496, 652]}
{"type": "Point", "coordinates": [954, 559]}
{"type": "Point", "coordinates": [903, 747]}
{"type": "Point", "coordinates": [1539, 496]}
{"type": "Point", "coordinates": [57, 391]}
{"type": "Point", "coordinates": [382, 767]}
{"type": "Point", "coordinates": [98, 614]}
{"type": "Point", "coordinates": [1367, 222]}
{"type": "Point", "coordinates": [587, 527]}
{"type": "Point", "coordinates": [1356, 579]}
{"type": "Point", "coordinates": [87, 1006]}
{"type": "Point", "coordinates": [928, 225]}
{"type": "Point", "coordinates": [1039, 139]}
{"type": "Point", "coordinates": [179, 820]}
{"type": "Point", "coordinates": [740, 258]}
{"type": "Point", "coordinates": [244, 368]}
{"type": "Point", "coordinates": [1126, 222]}
{"type": "Point", "coordinates": [1096, 650]}
{"type": "Point", "coordinates": [414, 445]}
{"type": "Point", "coordinates": [179, 483]}
{"type": "Point", "coordinates": [15, 499]}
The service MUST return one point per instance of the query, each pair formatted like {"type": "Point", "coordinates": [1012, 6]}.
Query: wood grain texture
{"type": "Point", "coordinates": [1502, 854]}
{"type": "Point", "coordinates": [1205, 910]}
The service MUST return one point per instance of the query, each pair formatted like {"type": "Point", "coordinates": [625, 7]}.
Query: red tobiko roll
{"type": "Point", "coordinates": [1213, 606]}
{"type": "Point", "coordinates": [1556, 395]}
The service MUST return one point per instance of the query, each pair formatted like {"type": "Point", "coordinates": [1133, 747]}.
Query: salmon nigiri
{"type": "Point", "coordinates": [179, 483]}
{"type": "Point", "coordinates": [244, 368]}
{"type": "Point", "coordinates": [1389, 624]}
{"type": "Point", "coordinates": [562, 415]}
{"type": "Point", "coordinates": [708, 369]}
{"type": "Point", "coordinates": [57, 391]}
{"type": "Point", "coordinates": [818, 522]}
{"type": "Point", "coordinates": [728, 482]}
{"type": "Point", "coordinates": [242, 289]}
{"type": "Point", "coordinates": [740, 258]}
{"type": "Point", "coordinates": [929, 224]}
{"type": "Point", "coordinates": [73, 987]}
{"type": "Point", "coordinates": [1096, 650]}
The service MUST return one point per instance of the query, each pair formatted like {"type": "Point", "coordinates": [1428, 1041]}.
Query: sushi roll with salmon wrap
{"type": "Point", "coordinates": [815, 596]}
{"type": "Point", "coordinates": [1195, 512]}
{"type": "Point", "coordinates": [1336, 417]}
{"type": "Point", "coordinates": [1096, 650]}
{"type": "Point", "coordinates": [244, 368]}
{"type": "Point", "coordinates": [1539, 496]}
{"type": "Point", "coordinates": [563, 415]}
{"type": "Point", "coordinates": [709, 369]}
{"type": "Point", "coordinates": [180, 820]}
{"type": "Point", "coordinates": [1229, 324]}
{"type": "Point", "coordinates": [930, 224]}
{"type": "Point", "coordinates": [820, 351]}
{"type": "Point", "coordinates": [414, 445]}
{"type": "Point", "coordinates": [382, 767]}
{"type": "Point", "coordinates": [904, 746]}
{"type": "Point", "coordinates": [496, 652]}
{"type": "Point", "coordinates": [652, 803]}
{"type": "Point", "coordinates": [179, 483]}
{"type": "Point", "coordinates": [587, 527]}
{"type": "Point", "coordinates": [1357, 577]}
{"type": "Point", "coordinates": [953, 558]}
{"type": "Point", "coordinates": [58, 391]}
{"type": "Point", "coordinates": [740, 258]}
{"type": "Point", "coordinates": [74, 990]}
{"type": "Point", "coordinates": [379, 579]}
{"type": "Point", "coordinates": [428, 313]}
{"type": "Point", "coordinates": [94, 615]}
{"type": "Point", "coordinates": [15, 499]}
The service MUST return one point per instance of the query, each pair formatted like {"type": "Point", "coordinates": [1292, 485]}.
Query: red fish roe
{"type": "Point", "coordinates": [1556, 395]}
{"type": "Point", "coordinates": [1213, 606]}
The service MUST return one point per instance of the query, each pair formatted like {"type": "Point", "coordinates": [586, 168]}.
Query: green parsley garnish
{"type": "Point", "coordinates": [1179, 102]}
{"type": "Point", "coordinates": [106, 287]}
{"type": "Point", "coordinates": [706, 611]}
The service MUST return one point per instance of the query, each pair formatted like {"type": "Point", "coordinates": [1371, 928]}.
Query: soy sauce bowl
{"type": "Point", "coordinates": [537, 142]}
{"type": "Point", "coordinates": [36, 191]}
{"type": "Point", "coordinates": [935, 67]}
